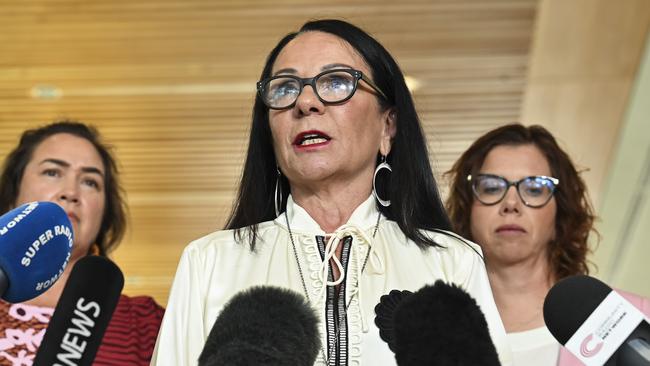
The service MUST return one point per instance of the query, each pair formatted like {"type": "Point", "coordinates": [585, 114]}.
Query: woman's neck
{"type": "Point", "coordinates": [519, 292]}
{"type": "Point", "coordinates": [330, 207]}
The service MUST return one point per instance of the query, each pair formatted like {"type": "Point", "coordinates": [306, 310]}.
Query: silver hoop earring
{"type": "Point", "coordinates": [278, 192]}
{"type": "Point", "coordinates": [382, 165]}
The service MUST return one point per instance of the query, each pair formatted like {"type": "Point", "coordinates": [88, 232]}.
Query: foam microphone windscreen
{"type": "Point", "coordinates": [439, 325]}
{"type": "Point", "coordinates": [82, 314]}
{"type": "Point", "coordinates": [35, 243]}
{"type": "Point", "coordinates": [263, 325]}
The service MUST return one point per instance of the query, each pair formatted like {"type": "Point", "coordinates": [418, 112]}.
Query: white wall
{"type": "Point", "coordinates": [624, 253]}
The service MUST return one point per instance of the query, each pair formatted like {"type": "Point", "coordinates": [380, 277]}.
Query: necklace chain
{"type": "Point", "coordinates": [304, 284]}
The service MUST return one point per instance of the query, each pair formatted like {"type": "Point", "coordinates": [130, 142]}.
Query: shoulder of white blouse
{"type": "Point", "coordinates": [450, 242]}
{"type": "Point", "coordinates": [226, 238]}
{"type": "Point", "coordinates": [453, 242]}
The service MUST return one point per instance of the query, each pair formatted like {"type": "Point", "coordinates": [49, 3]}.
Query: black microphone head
{"type": "Point", "coordinates": [263, 326]}
{"type": "Point", "coordinates": [82, 314]}
{"type": "Point", "coordinates": [385, 315]}
{"type": "Point", "coordinates": [570, 302]}
{"type": "Point", "coordinates": [442, 325]}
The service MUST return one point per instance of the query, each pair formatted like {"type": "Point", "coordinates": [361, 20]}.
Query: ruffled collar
{"type": "Point", "coordinates": [363, 217]}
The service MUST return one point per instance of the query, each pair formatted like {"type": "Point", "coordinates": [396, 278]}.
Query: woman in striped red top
{"type": "Point", "coordinates": [67, 163]}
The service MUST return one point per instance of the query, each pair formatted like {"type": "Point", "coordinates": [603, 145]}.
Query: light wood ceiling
{"type": "Point", "coordinates": [170, 84]}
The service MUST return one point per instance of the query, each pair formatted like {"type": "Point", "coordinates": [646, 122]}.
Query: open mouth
{"type": "Point", "coordinates": [311, 138]}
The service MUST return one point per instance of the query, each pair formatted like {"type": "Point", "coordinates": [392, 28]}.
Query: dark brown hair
{"type": "Point", "coordinates": [574, 218]}
{"type": "Point", "coordinates": [114, 216]}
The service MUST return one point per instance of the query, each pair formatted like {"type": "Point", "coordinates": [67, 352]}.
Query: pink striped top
{"type": "Point", "coordinates": [129, 338]}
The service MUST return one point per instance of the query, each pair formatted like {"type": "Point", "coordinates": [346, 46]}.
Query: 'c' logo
{"type": "Point", "coordinates": [590, 352]}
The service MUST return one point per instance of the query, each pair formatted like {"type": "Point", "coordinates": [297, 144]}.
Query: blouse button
{"type": "Point", "coordinates": [355, 351]}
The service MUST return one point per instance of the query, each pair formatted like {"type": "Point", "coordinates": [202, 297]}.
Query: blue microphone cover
{"type": "Point", "coordinates": [35, 243]}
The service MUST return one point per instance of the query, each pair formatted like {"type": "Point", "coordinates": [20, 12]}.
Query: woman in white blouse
{"type": "Point", "coordinates": [337, 202]}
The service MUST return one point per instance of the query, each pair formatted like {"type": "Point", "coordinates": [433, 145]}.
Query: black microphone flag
{"type": "Point", "coordinates": [82, 314]}
{"type": "Point", "coordinates": [597, 324]}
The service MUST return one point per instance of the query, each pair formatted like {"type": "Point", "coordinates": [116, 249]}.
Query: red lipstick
{"type": "Point", "coordinates": [311, 139]}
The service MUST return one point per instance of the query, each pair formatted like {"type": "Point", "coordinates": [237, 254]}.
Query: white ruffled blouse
{"type": "Point", "coordinates": [214, 268]}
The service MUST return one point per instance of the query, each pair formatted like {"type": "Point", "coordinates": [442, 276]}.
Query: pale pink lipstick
{"type": "Point", "coordinates": [311, 139]}
{"type": "Point", "coordinates": [510, 230]}
{"type": "Point", "coordinates": [73, 217]}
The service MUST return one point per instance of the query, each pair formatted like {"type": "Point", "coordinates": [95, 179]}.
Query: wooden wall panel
{"type": "Point", "coordinates": [170, 84]}
{"type": "Point", "coordinates": [583, 66]}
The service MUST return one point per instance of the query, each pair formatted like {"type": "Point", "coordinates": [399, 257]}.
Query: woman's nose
{"type": "Point", "coordinates": [69, 191]}
{"type": "Point", "coordinates": [511, 202]}
{"type": "Point", "coordinates": [308, 102]}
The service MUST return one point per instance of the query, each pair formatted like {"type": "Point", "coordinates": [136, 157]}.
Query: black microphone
{"type": "Point", "coordinates": [439, 325]}
{"type": "Point", "coordinates": [263, 325]}
{"type": "Point", "coordinates": [82, 314]}
{"type": "Point", "coordinates": [35, 243]}
{"type": "Point", "coordinates": [597, 324]}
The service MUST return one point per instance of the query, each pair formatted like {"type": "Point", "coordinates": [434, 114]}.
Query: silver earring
{"type": "Point", "coordinates": [278, 192]}
{"type": "Point", "coordinates": [382, 165]}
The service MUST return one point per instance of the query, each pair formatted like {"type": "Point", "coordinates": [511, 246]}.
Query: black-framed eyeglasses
{"type": "Point", "coordinates": [534, 191]}
{"type": "Point", "coordinates": [331, 86]}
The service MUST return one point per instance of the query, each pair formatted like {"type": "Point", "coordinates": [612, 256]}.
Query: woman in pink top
{"type": "Point", "coordinates": [532, 235]}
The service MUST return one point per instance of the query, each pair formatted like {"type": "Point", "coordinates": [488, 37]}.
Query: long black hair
{"type": "Point", "coordinates": [411, 187]}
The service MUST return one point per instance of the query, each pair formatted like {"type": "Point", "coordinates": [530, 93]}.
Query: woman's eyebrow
{"type": "Point", "coordinates": [287, 70]}
{"type": "Point", "coordinates": [65, 164]}
{"type": "Point", "coordinates": [290, 70]}
{"type": "Point", "coordinates": [336, 66]}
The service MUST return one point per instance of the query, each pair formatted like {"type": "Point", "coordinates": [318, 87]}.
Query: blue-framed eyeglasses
{"type": "Point", "coordinates": [331, 86]}
{"type": "Point", "coordinates": [534, 191]}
